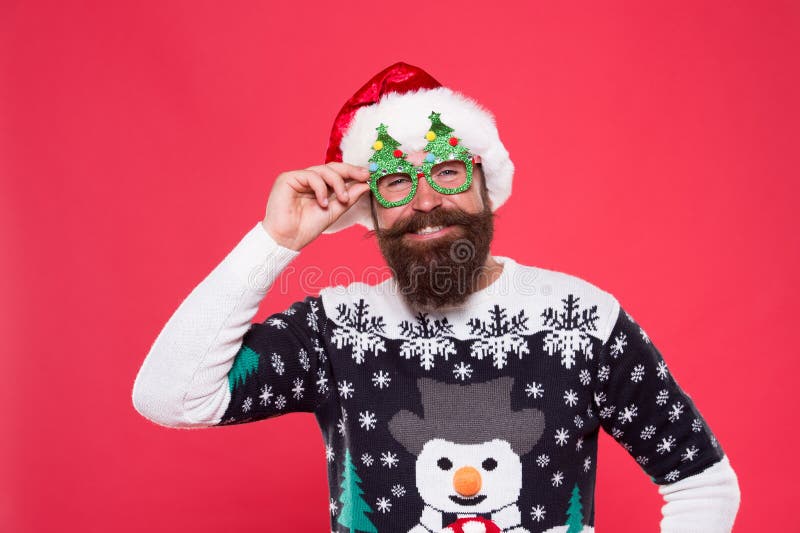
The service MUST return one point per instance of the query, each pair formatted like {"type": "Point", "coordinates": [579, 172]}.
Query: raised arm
{"type": "Point", "coordinates": [184, 381]}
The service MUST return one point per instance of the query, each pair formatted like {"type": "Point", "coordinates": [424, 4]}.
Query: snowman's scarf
{"type": "Point", "coordinates": [505, 518]}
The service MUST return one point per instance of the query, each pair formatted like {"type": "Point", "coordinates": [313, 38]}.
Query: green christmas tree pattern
{"type": "Point", "coordinates": [354, 508]}
{"type": "Point", "coordinates": [443, 146]}
{"type": "Point", "coordinates": [574, 512]}
{"type": "Point", "coordinates": [245, 363]}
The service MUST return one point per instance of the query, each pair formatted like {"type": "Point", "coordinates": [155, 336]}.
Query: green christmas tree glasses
{"type": "Point", "coordinates": [447, 166]}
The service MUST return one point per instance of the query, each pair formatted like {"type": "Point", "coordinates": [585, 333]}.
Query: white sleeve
{"type": "Point", "coordinates": [183, 382]}
{"type": "Point", "coordinates": [706, 502]}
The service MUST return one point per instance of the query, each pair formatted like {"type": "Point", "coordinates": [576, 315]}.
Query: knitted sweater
{"type": "Point", "coordinates": [476, 418]}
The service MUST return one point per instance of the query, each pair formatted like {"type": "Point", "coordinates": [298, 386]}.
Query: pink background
{"type": "Point", "coordinates": [656, 152]}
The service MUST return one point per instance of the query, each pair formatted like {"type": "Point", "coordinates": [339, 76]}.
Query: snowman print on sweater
{"type": "Point", "coordinates": [468, 446]}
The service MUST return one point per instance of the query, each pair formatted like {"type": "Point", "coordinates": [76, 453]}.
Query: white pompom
{"type": "Point", "coordinates": [474, 527]}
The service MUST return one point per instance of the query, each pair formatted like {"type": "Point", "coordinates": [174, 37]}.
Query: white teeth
{"type": "Point", "coordinates": [428, 229]}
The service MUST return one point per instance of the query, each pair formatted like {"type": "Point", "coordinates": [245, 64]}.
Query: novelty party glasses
{"type": "Point", "coordinates": [447, 166]}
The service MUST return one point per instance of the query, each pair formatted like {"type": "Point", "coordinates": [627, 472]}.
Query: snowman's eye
{"type": "Point", "coordinates": [489, 464]}
{"type": "Point", "coordinates": [444, 463]}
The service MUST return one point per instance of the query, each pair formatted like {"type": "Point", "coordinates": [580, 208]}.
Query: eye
{"type": "Point", "coordinates": [398, 181]}
{"type": "Point", "coordinates": [489, 464]}
{"type": "Point", "coordinates": [444, 463]}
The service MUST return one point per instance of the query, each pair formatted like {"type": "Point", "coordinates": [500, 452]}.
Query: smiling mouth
{"type": "Point", "coordinates": [475, 500]}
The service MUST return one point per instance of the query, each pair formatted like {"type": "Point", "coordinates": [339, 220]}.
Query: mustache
{"type": "Point", "coordinates": [437, 217]}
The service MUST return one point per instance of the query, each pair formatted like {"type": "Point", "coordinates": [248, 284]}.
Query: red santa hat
{"type": "Point", "coordinates": [403, 96]}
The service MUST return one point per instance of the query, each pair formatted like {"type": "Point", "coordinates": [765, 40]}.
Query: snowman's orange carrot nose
{"type": "Point", "coordinates": [467, 481]}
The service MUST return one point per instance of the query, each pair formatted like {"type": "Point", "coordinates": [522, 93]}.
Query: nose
{"type": "Point", "coordinates": [426, 198]}
{"type": "Point", "coordinates": [467, 481]}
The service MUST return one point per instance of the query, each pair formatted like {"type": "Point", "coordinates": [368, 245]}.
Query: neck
{"type": "Point", "coordinates": [492, 269]}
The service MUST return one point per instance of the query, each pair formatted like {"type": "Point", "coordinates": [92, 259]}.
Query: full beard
{"type": "Point", "coordinates": [443, 271]}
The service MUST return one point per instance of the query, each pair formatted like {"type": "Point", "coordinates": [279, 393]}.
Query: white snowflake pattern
{"type": "Point", "coordinates": [534, 389]}
{"type": "Point", "coordinates": [579, 444]}
{"type": "Point", "coordinates": [297, 390]}
{"type": "Point", "coordinates": [367, 459]}
{"type": "Point", "coordinates": [620, 341]}
{"type": "Point", "coordinates": [570, 398]}
{"type": "Point", "coordinates": [276, 323]}
{"type": "Point", "coordinates": [426, 338]}
{"type": "Point", "coordinates": [642, 460]}
{"type": "Point", "coordinates": [280, 401]}
{"type": "Point", "coordinates": [266, 394]}
{"type": "Point", "coordinates": [666, 444]}
{"type": "Point", "coordinates": [661, 398]}
{"type": "Point", "coordinates": [675, 411]}
{"type": "Point", "coordinates": [329, 455]}
{"type": "Point", "coordinates": [599, 398]}
{"type": "Point", "coordinates": [358, 330]}
{"type": "Point", "coordinates": [617, 433]}
{"type": "Point", "coordinates": [627, 446]}
{"type": "Point", "coordinates": [543, 460]}
{"type": "Point", "coordinates": [341, 425]}
{"type": "Point", "coordinates": [578, 421]}
{"type": "Point", "coordinates": [604, 372]}
{"type": "Point", "coordinates": [637, 373]}
{"type": "Point", "coordinates": [562, 435]}
{"type": "Point", "coordinates": [647, 433]}
{"type": "Point", "coordinates": [585, 377]}
{"type": "Point", "coordinates": [714, 442]}
{"type": "Point", "coordinates": [398, 491]}
{"type": "Point", "coordinates": [537, 512]}
{"type": "Point", "coordinates": [607, 412]}
{"type": "Point", "coordinates": [346, 389]}
{"type": "Point", "coordinates": [568, 333]}
{"type": "Point", "coordinates": [311, 317]}
{"type": "Point", "coordinates": [645, 338]}
{"type": "Point", "coordinates": [697, 425]}
{"type": "Point", "coordinates": [367, 420]}
{"type": "Point", "coordinates": [322, 381]}
{"type": "Point", "coordinates": [389, 459]}
{"type": "Point", "coordinates": [691, 453]}
{"type": "Point", "coordinates": [499, 336]}
{"type": "Point", "coordinates": [627, 414]}
{"type": "Point", "coordinates": [302, 356]}
{"type": "Point", "coordinates": [333, 506]}
{"type": "Point", "coordinates": [247, 404]}
{"type": "Point", "coordinates": [557, 478]}
{"type": "Point", "coordinates": [381, 379]}
{"type": "Point", "coordinates": [384, 505]}
{"type": "Point", "coordinates": [290, 311]}
{"type": "Point", "coordinates": [321, 355]}
{"type": "Point", "coordinates": [587, 464]}
{"type": "Point", "coordinates": [672, 476]}
{"type": "Point", "coordinates": [462, 371]}
{"type": "Point", "coordinates": [662, 370]}
{"type": "Point", "coordinates": [277, 364]}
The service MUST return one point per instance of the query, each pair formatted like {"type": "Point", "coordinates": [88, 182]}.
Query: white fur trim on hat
{"type": "Point", "coordinates": [406, 116]}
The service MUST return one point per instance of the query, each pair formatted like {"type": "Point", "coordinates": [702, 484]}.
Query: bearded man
{"type": "Point", "coordinates": [464, 393]}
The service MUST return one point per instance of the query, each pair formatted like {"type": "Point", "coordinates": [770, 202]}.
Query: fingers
{"type": "Point", "coordinates": [308, 179]}
{"type": "Point", "coordinates": [335, 181]}
{"type": "Point", "coordinates": [337, 175]}
{"type": "Point", "coordinates": [346, 170]}
{"type": "Point", "coordinates": [356, 190]}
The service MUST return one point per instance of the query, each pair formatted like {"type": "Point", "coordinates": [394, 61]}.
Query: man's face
{"type": "Point", "coordinates": [439, 268]}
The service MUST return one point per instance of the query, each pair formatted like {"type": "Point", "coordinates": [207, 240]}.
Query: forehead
{"type": "Point", "coordinates": [436, 448]}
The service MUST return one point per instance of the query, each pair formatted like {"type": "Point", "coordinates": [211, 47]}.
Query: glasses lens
{"type": "Point", "coordinates": [450, 174]}
{"type": "Point", "coordinates": [394, 187]}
